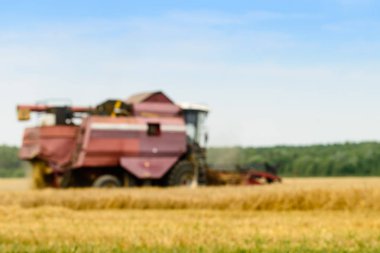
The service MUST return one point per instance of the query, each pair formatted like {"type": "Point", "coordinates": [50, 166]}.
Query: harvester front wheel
{"type": "Point", "coordinates": [182, 174]}
{"type": "Point", "coordinates": [107, 181]}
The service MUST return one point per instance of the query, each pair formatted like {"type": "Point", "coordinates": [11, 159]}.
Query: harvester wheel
{"type": "Point", "coordinates": [181, 174]}
{"type": "Point", "coordinates": [67, 179]}
{"type": "Point", "coordinates": [107, 181]}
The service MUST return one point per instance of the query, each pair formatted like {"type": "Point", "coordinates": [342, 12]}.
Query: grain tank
{"type": "Point", "coordinates": [145, 140]}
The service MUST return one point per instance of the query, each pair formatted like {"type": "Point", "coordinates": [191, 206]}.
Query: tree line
{"type": "Point", "coordinates": [347, 159]}
{"type": "Point", "coordinates": [10, 165]}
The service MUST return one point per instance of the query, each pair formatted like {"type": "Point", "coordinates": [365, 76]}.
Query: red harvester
{"type": "Point", "coordinates": [145, 140]}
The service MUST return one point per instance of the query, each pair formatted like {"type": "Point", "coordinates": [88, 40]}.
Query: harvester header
{"type": "Point", "coordinates": [24, 111]}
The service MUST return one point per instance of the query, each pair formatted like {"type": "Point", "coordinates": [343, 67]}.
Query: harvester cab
{"type": "Point", "coordinates": [195, 119]}
{"type": "Point", "coordinates": [196, 132]}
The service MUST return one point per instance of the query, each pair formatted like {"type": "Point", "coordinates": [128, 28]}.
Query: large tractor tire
{"type": "Point", "coordinates": [181, 175]}
{"type": "Point", "coordinates": [107, 181]}
{"type": "Point", "coordinates": [66, 180]}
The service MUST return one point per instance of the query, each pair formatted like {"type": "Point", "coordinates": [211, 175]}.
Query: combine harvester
{"type": "Point", "coordinates": [145, 140]}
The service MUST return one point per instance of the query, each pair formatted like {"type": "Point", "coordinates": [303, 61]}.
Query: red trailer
{"type": "Point", "coordinates": [147, 139]}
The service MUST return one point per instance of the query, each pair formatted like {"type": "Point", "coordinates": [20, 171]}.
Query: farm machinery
{"type": "Point", "coordinates": [145, 140]}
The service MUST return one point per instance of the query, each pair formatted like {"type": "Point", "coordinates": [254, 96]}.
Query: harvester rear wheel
{"type": "Point", "coordinates": [107, 181]}
{"type": "Point", "coordinates": [181, 174]}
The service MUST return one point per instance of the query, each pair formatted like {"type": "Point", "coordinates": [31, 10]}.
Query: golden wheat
{"type": "Point", "coordinates": [55, 229]}
{"type": "Point", "coordinates": [300, 215]}
{"type": "Point", "coordinates": [316, 194]}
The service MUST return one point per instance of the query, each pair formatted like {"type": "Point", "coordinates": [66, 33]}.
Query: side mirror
{"type": "Point", "coordinates": [206, 138]}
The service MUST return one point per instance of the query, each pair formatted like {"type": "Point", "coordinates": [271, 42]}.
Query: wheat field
{"type": "Point", "coordinates": [300, 215]}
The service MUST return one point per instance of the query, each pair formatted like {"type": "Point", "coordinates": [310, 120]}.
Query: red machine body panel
{"type": "Point", "coordinates": [148, 167]}
{"type": "Point", "coordinates": [50, 143]}
{"type": "Point", "coordinates": [149, 109]}
{"type": "Point", "coordinates": [106, 141]}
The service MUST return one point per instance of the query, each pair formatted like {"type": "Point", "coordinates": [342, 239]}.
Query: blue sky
{"type": "Point", "coordinates": [273, 72]}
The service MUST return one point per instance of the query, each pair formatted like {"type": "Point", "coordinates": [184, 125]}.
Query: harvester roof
{"type": "Point", "coordinates": [153, 104]}
{"type": "Point", "coordinates": [195, 107]}
{"type": "Point", "coordinates": [149, 97]}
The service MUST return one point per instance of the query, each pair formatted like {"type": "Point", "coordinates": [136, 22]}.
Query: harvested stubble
{"type": "Point", "coordinates": [348, 194]}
